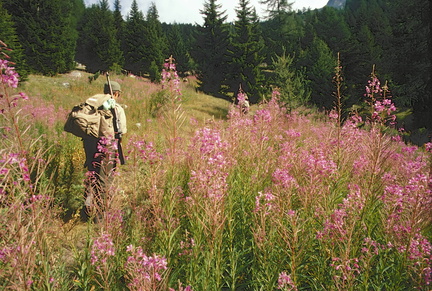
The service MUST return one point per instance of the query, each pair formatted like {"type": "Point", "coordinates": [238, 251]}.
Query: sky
{"type": "Point", "coordinates": [188, 11]}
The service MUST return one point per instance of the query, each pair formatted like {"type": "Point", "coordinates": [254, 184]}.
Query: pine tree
{"type": "Point", "coordinates": [210, 51]}
{"type": "Point", "coordinates": [46, 32]}
{"type": "Point", "coordinates": [99, 47]}
{"type": "Point", "coordinates": [9, 37]}
{"type": "Point", "coordinates": [245, 56]}
{"type": "Point", "coordinates": [134, 49]}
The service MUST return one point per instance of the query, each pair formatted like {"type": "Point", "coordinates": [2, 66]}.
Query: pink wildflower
{"type": "Point", "coordinates": [285, 282]}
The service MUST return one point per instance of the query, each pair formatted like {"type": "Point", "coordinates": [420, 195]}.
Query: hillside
{"type": "Point", "coordinates": [211, 198]}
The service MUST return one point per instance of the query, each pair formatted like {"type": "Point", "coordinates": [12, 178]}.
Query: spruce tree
{"type": "Point", "coordinates": [99, 47]}
{"type": "Point", "coordinates": [9, 37]}
{"type": "Point", "coordinates": [118, 20]}
{"type": "Point", "coordinates": [119, 24]}
{"type": "Point", "coordinates": [245, 57]}
{"type": "Point", "coordinates": [134, 48]}
{"type": "Point", "coordinates": [46, 32]}
{"type": "Point", "coordinates": [178, 50]}
{"type": "Point", "coordinates": [411, 57]}
{"type": "Point", "coordinates": [282, 32]}
{"type": "Point", "coordinates": [155, 42]}
{"type": "Point", "coordinates": [319, 62]}
{"type": "Point", "coordinates": [210, 51]}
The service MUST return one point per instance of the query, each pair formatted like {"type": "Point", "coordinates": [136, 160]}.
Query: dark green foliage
{"type": "Point", "coordinates": [293, 87]}
{"type": "Point", "coordinates": [118, 20]}
{"type": "Point", "coordinates": [155, 43]}
{"type": "Point", "coordinates": [319, 63]}
{"type": "Point", "coordinates": [411, 61]}
{"type": "Point", "coordinates": [99, 47]}
{"type": "Point", "coordinates": [9, 37]}
{"type": "Point", "coordinates": [178, 49]}
{"type": "Point", "coordinates": [245, 55]}
{"type": "Point", "coordinates": [46, 32]}
{"type": "Point", "coordinates": [210, 51]}
{"type": "Point", "coordinates": [277, 7]}
{"type": "Point", "coordinates": [282, 34]}
{"type": "Point", "coordinates": [394, 36]}
{"type": "Point", "coordinates": [133, 47]}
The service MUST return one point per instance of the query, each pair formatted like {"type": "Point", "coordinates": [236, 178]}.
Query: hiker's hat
{"type": "Point", "coordinates": [114, 86]}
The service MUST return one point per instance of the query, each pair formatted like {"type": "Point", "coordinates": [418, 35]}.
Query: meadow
{"type": "Point", "coordinates": [210, 198]}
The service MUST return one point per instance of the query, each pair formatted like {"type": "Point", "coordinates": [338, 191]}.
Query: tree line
{"type": "Point", "coordinates": [293, 51]}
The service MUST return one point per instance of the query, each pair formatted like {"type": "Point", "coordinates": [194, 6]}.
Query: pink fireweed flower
{"type": "Point", "coordinates": [263, 115]}
{"type": "Point", "coordinates": [428, 147]}
{"type": "Point", "coordinates": [285, 282]}
{"type": "Point", "coordinates": [275, 94]}
{"type": "Point", "coordinates": [264, 202]}
{"type": "Point", "coordinates": [337, 225]}
{"type": "Point", "coordinates": [23, 96]}
{"type": "Point", "coordinates": [348, 267]}
{"type": "Point", "coordinates": [102, 249]}
{"type": "Point", "coordinates": [8, 75]}
{"type": "Point", "coordinates": [292, 133]}
{"type": "Point", "coordinates": [143, 150]}
{"type": "Point", "coordinates": [333, 115]}
{"type": "Point", "coordinates": [181, 288]}
{"type": "Point", "coordinates": [143, 271]}
{"type": "Point", "coordinates": [283, 178]}
{"type": "Point", "coordinates": [170, 78]}
{"type": "Point", "coordinates": [186, 247]}
{"type": "Point", "coordinates": [317, 164]}
{"type": "Point", "coordinates": [242, 103]}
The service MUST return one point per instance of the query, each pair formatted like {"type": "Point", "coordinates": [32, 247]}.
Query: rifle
{"type": "Point", "coordinates": [116, 125]}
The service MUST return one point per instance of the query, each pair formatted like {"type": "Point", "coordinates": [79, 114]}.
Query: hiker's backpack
{"type": "Point", "coordinates": [87, 120]}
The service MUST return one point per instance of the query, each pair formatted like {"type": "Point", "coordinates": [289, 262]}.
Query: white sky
{"type": "Point", "coordinates": [188, 11]}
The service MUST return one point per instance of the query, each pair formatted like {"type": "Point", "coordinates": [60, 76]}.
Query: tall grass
{"type": "Point", "coordinates": [211, 199]}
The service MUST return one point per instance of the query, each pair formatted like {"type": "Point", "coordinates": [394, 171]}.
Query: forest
{"type": "Point", "coordinates": [294, 51]}
{"type": "Point", "coordinates": [312, 187]}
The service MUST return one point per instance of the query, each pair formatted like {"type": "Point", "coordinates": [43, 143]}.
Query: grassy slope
{"type": "Point", "coordinates": [64, 91]}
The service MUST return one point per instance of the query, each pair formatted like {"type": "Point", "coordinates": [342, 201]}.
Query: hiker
{"type": "Point", "coordinates": [242, 100]}
{"type": "Point", "coordinates": [103, 152]}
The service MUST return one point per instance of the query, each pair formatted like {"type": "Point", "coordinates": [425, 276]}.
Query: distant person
{"type": "Point", "coordinates": [103, 152]}
{"type": "Point", "coordinates": [242, 100]}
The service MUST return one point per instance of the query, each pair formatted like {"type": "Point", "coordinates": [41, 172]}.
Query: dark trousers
{"type": "Point", "coordinates": [100, 166]}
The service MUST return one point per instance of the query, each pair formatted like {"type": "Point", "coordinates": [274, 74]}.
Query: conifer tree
{"type": "Point", "coordinates": [99, 47]}
{"type": "Point", "coordinates": [411, 61]}
{"type": "Point", "coordinates": [155, 42]}
{"type": "Point", "coordinates": [245, 57]}
{"type": "Point", "coordinates": [118, 19]}
{"type": "Point", "coordinates": [134, 48]}
{"type": "Point", "coordinates": [281, 31]}
{"type": "Point", "coordinates": [178, 50]}
{"type": "Point", "coordinates": [9, 37]}
{"type": "Point", "coordinates": [277, 7]}
{"type": "Point", "coordinates": [210, 51]}
{"type": "Point", "coordinates": [46, 32]}
{"type": "Point", "coordinates": [319, 63]}
{"type": "Point", "coordinates": [293, 87]}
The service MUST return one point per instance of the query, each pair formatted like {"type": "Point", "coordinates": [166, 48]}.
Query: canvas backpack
{"type": "Point", "coordinates": [88, 120]}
